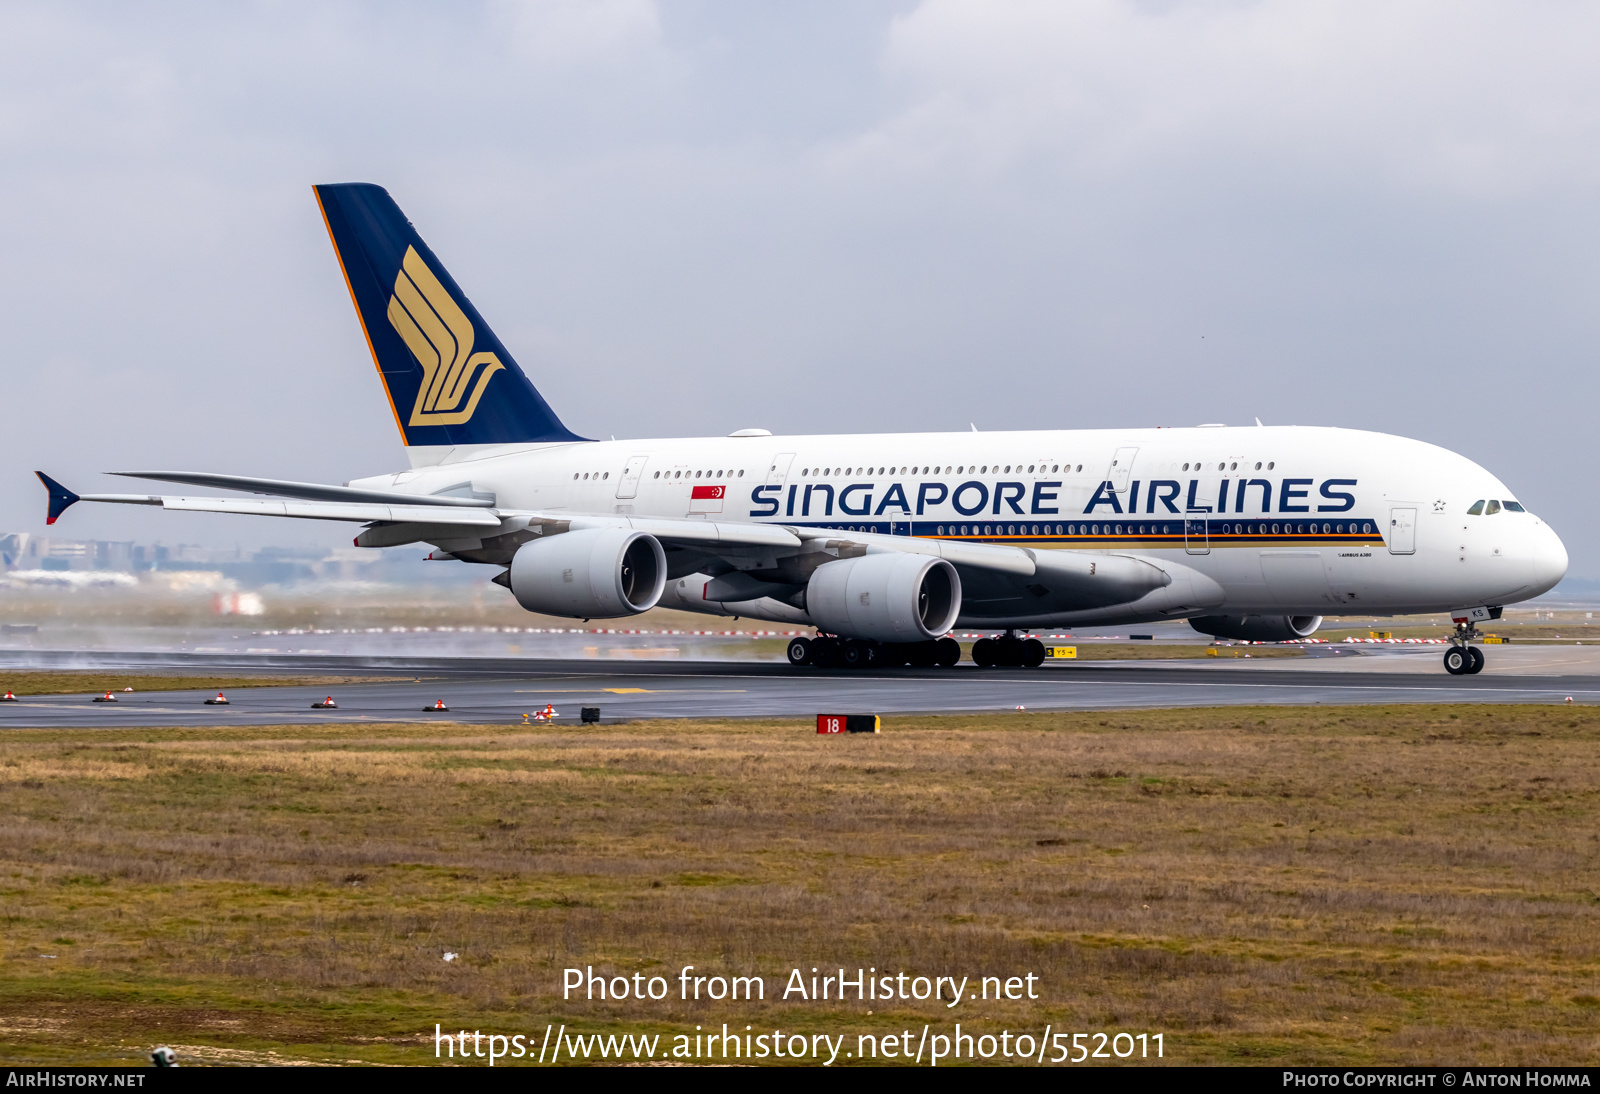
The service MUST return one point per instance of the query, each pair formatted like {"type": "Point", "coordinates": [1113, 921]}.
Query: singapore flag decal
{"type": "Point", "coordinates": [707, 499]}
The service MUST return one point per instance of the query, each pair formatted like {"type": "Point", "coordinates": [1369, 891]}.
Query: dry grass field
{"type": "Point", "coordinates": [1322, 885]}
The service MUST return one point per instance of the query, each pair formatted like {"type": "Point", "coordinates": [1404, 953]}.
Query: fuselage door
{"type": "Point", "coordinates": [628, 484]}
{"type": "Point", "coordinates": [900, 523]}
{"type": "Point", "coordinates": [778, 470]}
{"type": "Point", "coordinates": [1402, 535]}
{"type": "Point", "coordinates": [1121, 469]}
{"type": "Point", "coordinates": [1196, 536]}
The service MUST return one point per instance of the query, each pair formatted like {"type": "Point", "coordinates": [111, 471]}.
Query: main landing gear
{"type": "Point", "coordinates": [1463, 659]}
{"type": "Point", "coordinates": [826, 652]}
{"type": "Point", "coordinates": [1008, 651]}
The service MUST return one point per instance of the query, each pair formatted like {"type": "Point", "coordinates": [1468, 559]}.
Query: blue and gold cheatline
{"type": "Point", "coordinates": [1061, 532]}
{"type": "Point", "coordinates": [449, 379]}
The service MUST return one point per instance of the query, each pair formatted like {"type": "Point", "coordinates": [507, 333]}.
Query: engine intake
{"type": "Point", "coordinates": [1258, 628]}
{"type": "Point", "coordinates": [595, 573]}
{"type": "Point", "coordinates": [890, 597]}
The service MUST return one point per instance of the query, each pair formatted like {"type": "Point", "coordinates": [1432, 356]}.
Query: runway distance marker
{"type": "Point", "coordinates": [829, 724]}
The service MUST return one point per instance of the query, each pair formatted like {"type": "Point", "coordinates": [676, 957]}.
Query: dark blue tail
{"type": "Point", "coordinates": [449, 379]}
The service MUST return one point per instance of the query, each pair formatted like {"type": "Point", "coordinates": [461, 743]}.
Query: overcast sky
{"type": "Point", "coordinates": [691, 217]}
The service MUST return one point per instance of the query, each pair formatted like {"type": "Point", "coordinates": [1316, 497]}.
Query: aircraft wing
{"type": "Point", "coordinates": [309, 491]}
{"type": "Point", "coordinates": [398, 518]}
{"type": "Point", "coordinates": [739, 557]}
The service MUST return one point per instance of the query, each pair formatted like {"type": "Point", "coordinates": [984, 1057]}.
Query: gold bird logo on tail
{"type": "Point", "coordinates": [440, 336]}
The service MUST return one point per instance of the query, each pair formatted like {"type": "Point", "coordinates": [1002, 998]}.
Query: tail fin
{"type": "Point", "coordinates": [449, 379]}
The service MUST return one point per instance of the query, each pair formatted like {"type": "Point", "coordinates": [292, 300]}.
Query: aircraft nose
{"type": "Point", "coordinates": [1549, 563]}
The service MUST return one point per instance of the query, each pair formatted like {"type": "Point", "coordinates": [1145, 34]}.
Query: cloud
{"type": "Point", "coordinates": [840, 216]}
{"type": "Point", "coordinates": [1473, 99]}
{"type": "Point", "coordinates": [572, 34]}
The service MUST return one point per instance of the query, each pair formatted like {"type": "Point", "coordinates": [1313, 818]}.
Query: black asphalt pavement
{"type": "Point", "coordinates": [502, 690]}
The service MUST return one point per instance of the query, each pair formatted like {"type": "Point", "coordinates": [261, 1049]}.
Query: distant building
{"type": "Point", "coordinates": [267, 566]}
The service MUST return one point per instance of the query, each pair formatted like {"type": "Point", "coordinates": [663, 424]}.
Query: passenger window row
{"type": "Point", "coordinates": [963, 469]}
{"type": "Point", "coordinates": [729, 474]}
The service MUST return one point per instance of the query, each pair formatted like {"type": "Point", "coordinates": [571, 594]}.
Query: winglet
{"type": "Point", "coordinates": [60, 497]}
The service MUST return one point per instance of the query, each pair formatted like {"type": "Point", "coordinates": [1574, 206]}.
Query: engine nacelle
{"type": "Point", "coordinates": [595, 573]}
{"type": "Point", "coordinates": [1258, 628]}
{"type": "Point", "coordinates": [890, 597]}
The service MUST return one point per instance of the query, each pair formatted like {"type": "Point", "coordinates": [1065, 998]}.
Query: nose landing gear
{"type": "Point", "coordinates": [1463, 659]}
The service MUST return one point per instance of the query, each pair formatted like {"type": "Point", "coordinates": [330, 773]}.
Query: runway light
{"type": "Point", "coordinates": [9, 698]}
{"type": "Point", "coordinates": [326, 704]}
{"type": "Point", "coordinates": [106, 698]}
{"type": "Point", "coordinates": [438, 705]}
{"type": "Point", "coordinates": [220, 701]}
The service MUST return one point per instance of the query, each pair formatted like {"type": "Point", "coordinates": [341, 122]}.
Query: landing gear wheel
{"type": "Point", "coordinates": [947, 651]}
{"type": "Point", "coordinates": [923, 655]}
{"type": "Point", "coordinates": [1477, 660]}
{"type": "Point", "coordinates": [894, 654]}
{"type": "Point", "coordinates": [983, 651]}
{"type": "Point", "coordinates": [1009, 652]}
{"type": "Point", "coordinates": [1457, 662]}
{"type": "Point", "coordinates": [825, 653]}
{"type": "Point", "coordinates": [799, 652]}
{"type": "Point", "coordinates": [859, 655]}
{"type": "Point", "coordinates": [1032, 653]}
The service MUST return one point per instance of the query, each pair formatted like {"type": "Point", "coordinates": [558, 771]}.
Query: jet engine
{"type": "Point", "coordinates": [1258, 628]}
{"type": "Point", "coordinates": [890, 597]}
{"type": "Point", "coordinates": [595, 573]}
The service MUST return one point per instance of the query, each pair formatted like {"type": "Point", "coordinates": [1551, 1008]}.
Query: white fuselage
{"type": "Point", "coordinates": [1285, 520]}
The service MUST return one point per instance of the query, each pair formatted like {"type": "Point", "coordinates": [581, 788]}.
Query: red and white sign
{"type": "Point", "coordinates": [707, 499]}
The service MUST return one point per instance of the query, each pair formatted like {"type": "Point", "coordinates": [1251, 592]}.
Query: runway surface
{"type": "Point", "coordinates": [489, 690]}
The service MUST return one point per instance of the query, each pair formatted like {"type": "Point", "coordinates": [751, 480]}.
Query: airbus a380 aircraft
{"type": "Point", "coordinates": [884, 542]}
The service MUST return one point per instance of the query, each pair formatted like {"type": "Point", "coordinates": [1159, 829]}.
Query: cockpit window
{"type": "Point", "coordinates": [1494, 507]}
{"type": "Point", "coordinates": [1476, 509]}
{"type": "Point", "coordinates": [1513, 506]}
